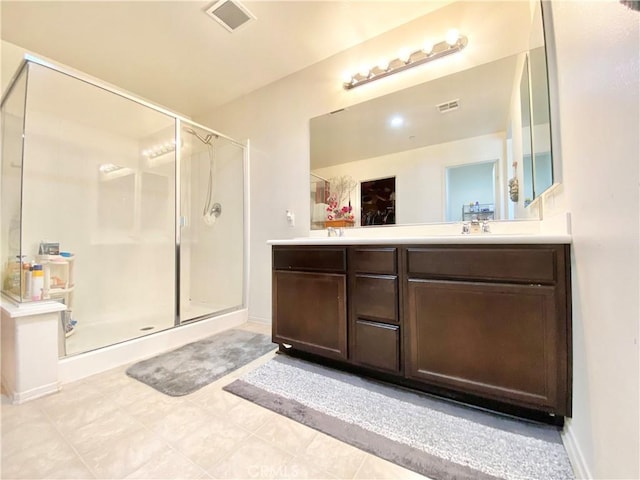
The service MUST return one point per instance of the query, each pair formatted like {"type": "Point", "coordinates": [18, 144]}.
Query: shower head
{"type": "Point", "coordinates": [206, 139]}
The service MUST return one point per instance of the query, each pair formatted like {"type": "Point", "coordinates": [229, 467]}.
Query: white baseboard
{"type": "Point", "coordinates": [574, 452]}
{"type": "Point", "coordinates": [41, 391]}
{"type": "Point", "coordinates": [263, 320]}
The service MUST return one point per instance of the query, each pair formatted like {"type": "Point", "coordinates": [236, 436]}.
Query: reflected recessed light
{"type": "Point", "coordinates": [397, 121]}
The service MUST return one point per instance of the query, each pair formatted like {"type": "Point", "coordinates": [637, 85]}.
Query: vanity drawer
{"type": "Point", "coordinates": [376, 297]}
{"type": "Point", "coordinates": [374, 260]}
{"type": "Point", "coordinates": [506, 264]}
{"type": "Point", "coordinates": [377, 345]}
{"type": "Point", "coordinates": [320, 259]}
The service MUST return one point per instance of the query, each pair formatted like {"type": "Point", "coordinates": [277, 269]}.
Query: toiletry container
{"type": "Point", "coordinates": [26, 280]}
{"type": "Point", "coordinates": [37, 282]}
{"type": "Point", "coordinates": [12, 278]}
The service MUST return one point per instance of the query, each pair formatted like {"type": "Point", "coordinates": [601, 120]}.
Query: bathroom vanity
{"type": "Point", "coordinates": [473, 319]}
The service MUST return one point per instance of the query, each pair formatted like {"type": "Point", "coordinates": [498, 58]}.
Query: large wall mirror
{"type": "Point", "coordinates": [494, 131]}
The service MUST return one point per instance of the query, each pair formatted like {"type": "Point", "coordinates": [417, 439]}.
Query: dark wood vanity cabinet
{"type": "Point", "coordinates": [310, 299]}
{"type": "Point", "coordinates": [489, 321]}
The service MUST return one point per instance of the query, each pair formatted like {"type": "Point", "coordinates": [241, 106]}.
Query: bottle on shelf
{"type": "Point", "coordinates": [37, 282]}
{"type": "Point", "coordinates": [12, 275]}
{"type": "Point", "coordinates": [27, 270]}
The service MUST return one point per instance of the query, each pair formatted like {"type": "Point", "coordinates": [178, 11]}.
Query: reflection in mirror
{"type": "Point", "coordinates": [319, 195]}
{"type": "Point", "coordinates": [418, 134]}
{"type": "Point", "coordinates": [378, 202]}
{"type": "Point", "coordinates": [471, 192]}
{"type": "Point", "coordinates": [541, 131]}
{"type": "Point", "coordinates": [525, 119]}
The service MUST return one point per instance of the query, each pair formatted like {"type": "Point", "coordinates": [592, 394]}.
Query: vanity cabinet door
{"type": "Point", "coordinates": [310, 312]}
{"type": "Point", "coordinates": [499, 341]}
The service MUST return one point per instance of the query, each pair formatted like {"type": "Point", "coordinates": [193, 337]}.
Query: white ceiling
{"type": "Point", "coordinates": [173, 54]}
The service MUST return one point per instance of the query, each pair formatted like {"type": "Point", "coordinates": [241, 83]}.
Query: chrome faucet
{"type": "Point", "coordinates": [465, 228]}
{"type": "Point", "coordinates": [485, 227]}
{"type": "Point", "coordinates": [335, 232]}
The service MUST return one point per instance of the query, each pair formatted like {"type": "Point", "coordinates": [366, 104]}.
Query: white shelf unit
{"type": "Point", "coordinates": [59, 284]}
{"type": "Point", "coordinates": [58, 277]}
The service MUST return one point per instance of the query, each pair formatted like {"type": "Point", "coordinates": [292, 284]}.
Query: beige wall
{"type": "Point", "coordinates": [597, 47]}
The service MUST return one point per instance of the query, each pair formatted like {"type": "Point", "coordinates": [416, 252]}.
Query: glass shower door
{"type": "Point", "coordinates": [211, 224]}
{"type": "Point", "coordinates": [99, 185]}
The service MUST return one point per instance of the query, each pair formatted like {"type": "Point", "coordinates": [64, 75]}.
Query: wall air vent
{"type": "Point", "coordinates": [448, 106]}
{"type": "Point", "coordinates": [230, 14]}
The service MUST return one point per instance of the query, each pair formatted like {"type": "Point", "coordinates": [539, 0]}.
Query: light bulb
{"type": "Point", "coordinates": [383, 64]}
{"type": "Point", "coordinates": [452, 37]}
{"type": "Point", "coordinates": [347, 78]}
{"type": "Point", "coordinates": [364, 71]}
{"type": "Point", "coordinates": [427, 47]}
{"type": "Point", "coordinates": [404, 55]}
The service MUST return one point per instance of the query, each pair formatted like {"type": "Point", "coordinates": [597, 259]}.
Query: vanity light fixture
{"type": "Point", "coordinates": [454, 42]}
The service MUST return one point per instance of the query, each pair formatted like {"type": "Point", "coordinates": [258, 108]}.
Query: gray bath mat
{"type": "Point", "coordinates": [192, 366]}
{"type": "Point", "coordinates": [433, 437]}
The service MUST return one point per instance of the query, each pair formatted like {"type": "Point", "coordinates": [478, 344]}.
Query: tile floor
{"type": "Point", "coordinates": [111, 426]}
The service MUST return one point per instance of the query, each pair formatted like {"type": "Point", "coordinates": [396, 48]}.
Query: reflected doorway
{"type": "Point", "coordinates": [378, 202]}
{"type": "Point", "coordinates": [470, 189]}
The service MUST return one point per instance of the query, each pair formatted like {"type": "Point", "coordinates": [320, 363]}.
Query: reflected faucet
{"type": "Point", "coordinates": [335, 232]}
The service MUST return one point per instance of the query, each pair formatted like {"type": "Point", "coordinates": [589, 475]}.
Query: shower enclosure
{"type": "Point", "coordinates": [134, 215]}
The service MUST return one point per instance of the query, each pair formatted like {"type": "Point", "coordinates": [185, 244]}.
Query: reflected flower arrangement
{"type": "Point", "coordinates": [339, 198]}
{"type": "Point", "coordinates": [337, 212]}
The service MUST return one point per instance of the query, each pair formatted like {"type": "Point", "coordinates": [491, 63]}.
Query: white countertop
{"type": "Point", "coordinates": [28, 309]}
{"type": "Point", "coordinates": [487, 238]}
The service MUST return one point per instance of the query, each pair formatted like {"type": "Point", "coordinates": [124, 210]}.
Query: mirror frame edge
{"type": "Point", "coordinates": [552, 81]}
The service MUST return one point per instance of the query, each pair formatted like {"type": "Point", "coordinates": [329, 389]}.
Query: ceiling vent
{"type": "Point", "coordinates": [230, 14]}
{"type": "Point", "coordinates": [449, 106]}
